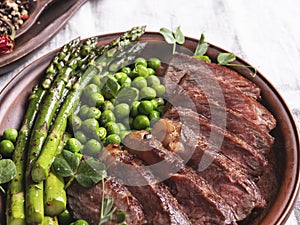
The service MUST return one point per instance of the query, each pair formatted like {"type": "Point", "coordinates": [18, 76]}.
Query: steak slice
{"type": "Point", "coordinates": [235, 123]}
{"type": "Point", "coordinates": [199, 201]}
{"type": "Point", "coordinates": [159, 205]}
{"type": "Point", "coordinates": [238, 190]}
{"type": "Point", "coordinates": [223, 140]}
{"type": "Point", "coordinates": [184, 62]}
{"type": "Point", "coordinates": [196, 85]}
{"type": "Point", "coordinates": [85, 203]}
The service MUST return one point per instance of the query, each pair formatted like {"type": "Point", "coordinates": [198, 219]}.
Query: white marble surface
{"type": "Point", "coordinates": [264, 33]}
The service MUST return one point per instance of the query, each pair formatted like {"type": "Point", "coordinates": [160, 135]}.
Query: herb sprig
{"type": "Point", "coordinates": [7, 171]}
{"type": "Point", "coordinates": [87, 173]}
{"type": "Point", "coordinates": [224, 59]}
{"type": "Point", "coordinates": [172, 37]}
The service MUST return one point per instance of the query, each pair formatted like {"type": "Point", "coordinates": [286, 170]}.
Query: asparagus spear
{"type": "Point", "coordinates": [42, 166]}
{"type": "Point", "coordinates": [15, 213]}
{"type": "Point", "coordinates": [50, 221]}
{"type": "Point", "coordinates": [34, 191]}
{"type": "Point", "coordinates": [55, 197]}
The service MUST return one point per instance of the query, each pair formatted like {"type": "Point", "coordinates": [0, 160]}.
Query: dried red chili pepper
{"type": "Point", "coordinates": [6, 44]}
{"type": "Point", "coordinates": [7, 36]}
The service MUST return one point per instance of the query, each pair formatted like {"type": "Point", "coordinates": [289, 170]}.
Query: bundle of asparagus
{"type": "Point", "coordinates": [50, 104]}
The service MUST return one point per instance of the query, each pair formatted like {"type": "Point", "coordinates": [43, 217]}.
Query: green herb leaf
{"type": "Point", "coordinates": [202, 57]}
{"type": "Point", "coordinates": [168, 35]}
{"type": "Point", "coordinates": [179, 37]}
{"type": "Point", "coordinates": [7, 170]}
{"type": "Point", "coordinates": [90, 172]}
{"type": "Point", "coordinates": [120, 216]}
{"type": "Point", "coordinates": [202, 46]}
{"type": "Point", "coordinates": [65, 164]}
{"type": "Point", "coordinates": [225, 58]}
{"type": "Point", "coordinates": [108, 209]}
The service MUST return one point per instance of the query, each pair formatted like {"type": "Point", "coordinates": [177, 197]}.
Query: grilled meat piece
{"type": "Point", "coordinates": [199, 201]}
{"type": "Point", "coordinates": [226, 178]}
{"type": "Point", "coordinates": [86, 203]}
{"type": "Point", "coordinates": [223, 140]}
{"type": "Point", "coordinates": [159, 205]}
{"type": "Point", "coordinates": [213, 89]}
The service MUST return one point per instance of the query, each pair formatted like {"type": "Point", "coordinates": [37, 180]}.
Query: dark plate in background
{"type": "Point", "coordinates": [50, 20]}
{"type": "Point", "coordinates": [14, 96]}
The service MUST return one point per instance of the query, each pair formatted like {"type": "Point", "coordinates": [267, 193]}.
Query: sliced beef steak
{"type": "Point", "coordinates": [86, 203]}
{"type": "Point", "coordinates": [235, 123]}
{"type": "Point", "coordinates": [238, 190]}
{"type": "Point", "coordinates": [224, 141]}
{"type": "Point", "coordinates": [183, 62]}
{"type": "Point", "coordinates": [200, 202]}
{"type": "Point", "coordinates": [159, 205]}
{"type": "Point", "coordinates": [212, 89]}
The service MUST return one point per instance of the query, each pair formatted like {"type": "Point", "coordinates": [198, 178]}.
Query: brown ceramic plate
{"type": "Point", "coordinates": [47, 18]}
{"type": "Point", "coordinates": [14, 96]}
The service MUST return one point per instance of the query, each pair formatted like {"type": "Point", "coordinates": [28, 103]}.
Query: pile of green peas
{"type": "Point", "coordinates": [116, 104]}
{"type": "Point", "coordinates": [7, 144]}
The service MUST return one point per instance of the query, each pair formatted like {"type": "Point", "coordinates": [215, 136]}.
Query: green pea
{"type": "Point", "coordinates": [147, 93]}
{"type": "Point", "coordinates": [154, 103]}
{"type": "Point", "coordinates": [80, 136]}
{"type": "Point", "coordinates": [10, 134]}
{"type": "Point", "coordinates": [112, 128]}
{"type": "Point", "coordinates": [74, 122]}
{"type": "Point", "coordinates": [107, 105]}
{"type": "Point", "coordinates": [121, 77]}
{"type": "Point", "coordinates": [122, 110]}
{"type": "Point", "coordinates": [73, 145]}
{"type": "Point", "coordinates": [65, 218]}
{"type": "Point", "coordinates": [102, 133]}
{"type": "Point", "coordinates": [6, 148]}
{"type": "Point", "coordinates": [160, 89]}
{"type": "Point", "coordinates": [134, 108]}
{"type": "Point", "coordinates": [96, 99]}
{"type": "Point", "coordinates": [89, 89]}
{"type": "Point", "coordinates": [141, 70]}
{"type": "Point", "coordinates": [141, 122]}
{"type": "Point", "coordinates": [140, 61]}
{"type": "Point", "coordinates": [80, 222]}
{"type": "Point", "coordinates": [84, 111]}
{"type": "Point", "coordinates": [121, 126]}
{"type": "Point", "coordinates": [123, 134]}
{"type": "Point", "coordinates": [89, 126]}
{"type": "Point", "coordinates": [113, 138]}
{"type": "Point", "coordinates": [154, 114]}
{"type": "Point", "coordinates": [153, 80]}
{"type": "Point", "coordinates": [151, 71]}
{"type": "Point", "coordinates": [154, 63]}
{"type": "Point", "coordinates": [126, 70]}
{"type": "Point", "coordinates": [94, 113]}
{"type": "Point", "coordinates": [133, 74]}
{"type": "Point", "coordinates": [126, 83]}
{"type": "Point", "coordinates": [92, 147]}
{"type": "Point", "coordinates": [145, 107]}
{"type": "Point", "coordinates": [107, 116]}
{"type": "Point", "coordinates": [160, 101]}
{"type": "Point", "coordinates": [139, 82]}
